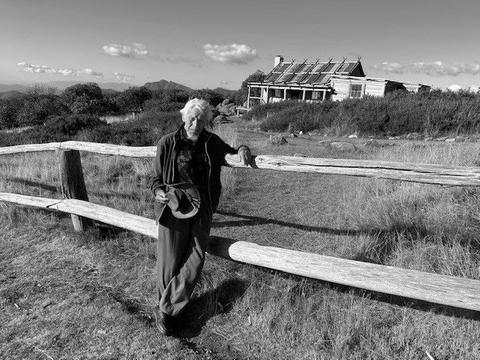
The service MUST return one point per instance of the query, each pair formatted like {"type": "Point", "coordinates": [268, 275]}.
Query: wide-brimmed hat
{"type": "Point", "coordinates": [183, 200]}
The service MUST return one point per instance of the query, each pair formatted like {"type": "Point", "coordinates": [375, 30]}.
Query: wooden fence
{"type": "Point", "coordinates": [451, 291]}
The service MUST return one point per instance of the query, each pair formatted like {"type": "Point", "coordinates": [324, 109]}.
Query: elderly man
{"type": "Point", "coordinates": [187, 191]}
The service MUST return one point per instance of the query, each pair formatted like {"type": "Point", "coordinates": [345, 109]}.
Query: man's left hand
{"type": "Point", "coordinates": [245, 155]}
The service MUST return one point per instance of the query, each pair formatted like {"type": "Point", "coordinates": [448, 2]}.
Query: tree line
{"type": "Point", "coordinates": [41, 104]}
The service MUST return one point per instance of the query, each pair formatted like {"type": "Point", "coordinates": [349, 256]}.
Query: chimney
{"type": "Point", "coordinates": [278, 60]}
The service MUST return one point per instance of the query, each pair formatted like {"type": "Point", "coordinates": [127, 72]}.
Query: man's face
{"type": "Point", "coordinates": [194, 125]}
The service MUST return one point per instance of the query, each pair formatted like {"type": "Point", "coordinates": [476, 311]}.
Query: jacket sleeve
{"type": "Point", "coordinates": [225, 148]}
{"type": "Point", "coordinates": [157, 181]}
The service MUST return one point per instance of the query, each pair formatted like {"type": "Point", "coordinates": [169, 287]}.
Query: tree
{"type": "Point", "coordinates": [84, 98]}
{"type": "Point", "coordinates": [133, 99]}
{"type": "Point", "coordinates": [39, 103]}
{"type": "Point", "coordinates": [8, 113]}
{"type": "Point", "coordinates": [214, 98]}
{"type": "Point", "coordinates": [242, 93]}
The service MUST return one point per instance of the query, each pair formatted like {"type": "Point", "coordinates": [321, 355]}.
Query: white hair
{"type": "Point", "coordinates": [197, 107]}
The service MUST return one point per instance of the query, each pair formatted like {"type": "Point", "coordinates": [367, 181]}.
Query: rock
{"type": "Point", "coordinates": [342, 146]}
{"type": "Point", "coordinates": [373, 143]}
{"type": "Point", "coordinates": [293, 135]}
{"type": "Point", "coordinates": [450, 140]}
{"type": "Point", "coordinates": [460, 139]}
{"type": "Point", "coordinates": [47, 303]}
{"type": "Point", "coordinates": [413, 136]}
{"type": "Point", "coordinates": [220, 119]}
{"type": "Point", "coordinates": [353, 136]}
{"type": "Point", "coordinates": [277, 140]}
{"type": "Point", "coordinates": [428, 138]}
{"type": "Point", "coordinates": [300, 133]}
{"type": "Point", "coordinates": [474, 138]}
{"type": "Point", "coordinates": [226, 108]}
{"type": "Point", "coordinates": [299, 155]}
{"type": "Point", "coordinates": [443, 138]}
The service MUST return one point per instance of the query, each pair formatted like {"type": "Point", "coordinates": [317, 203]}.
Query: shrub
{"type": "Point", "coordinates": [397, 113]}
{"type": "Point", "coordinates": [71, 124]}
{"type": "Point", "coordinates": [145, 131]}
{"type": "Point", "coordinates": [261, 112]}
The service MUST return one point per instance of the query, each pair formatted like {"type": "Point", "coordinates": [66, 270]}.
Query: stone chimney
{"type": "Point", "coordinates": [278, 60]}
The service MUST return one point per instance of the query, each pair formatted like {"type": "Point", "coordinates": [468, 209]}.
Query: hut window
{"type": "Point", "coordinates": [316, 95]}
{"type": "Point", "coordinates": [356, 90]}
{"type": "Point", "coordinates": [255, 91]}
{"type": "Point", "coordinates": [278, 93]}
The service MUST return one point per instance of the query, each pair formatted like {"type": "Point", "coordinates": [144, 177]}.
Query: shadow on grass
{"type": "Point", "coordinates": [196, 314]}
{"type": "Point", "coordinates": [37, 184]}
{"type": "Point", "coordinates": [55, 189]}
{"type": "Point", "coordinates": [401, 301]}
{"type": "Point", "coordinates": [256, 220]}
{"type": "Point", "coordinates": [213, 302]}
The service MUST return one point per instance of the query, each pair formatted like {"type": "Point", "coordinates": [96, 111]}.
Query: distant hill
{"type": "Point", "coordinates": [10, 94]}
{"type": "Point", "coordinates": [225, 92]}
{"type": "Point", "coordinates": [12, 87]}
{"type": "Point", "coordinates": [110, 92]}
{"type": "Point", "coordinates": [107, 87]}
{"type": "Point", "coordinates": [166, 85]}
{"type": "Point", "coordinates": [62, 85]}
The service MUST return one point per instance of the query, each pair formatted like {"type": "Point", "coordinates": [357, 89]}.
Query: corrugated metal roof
{"type": "Point", "coordinates": [317, 73]}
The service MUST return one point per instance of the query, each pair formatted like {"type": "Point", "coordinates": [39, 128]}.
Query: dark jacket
{"type": "Point", "coordinates": [166, 172]}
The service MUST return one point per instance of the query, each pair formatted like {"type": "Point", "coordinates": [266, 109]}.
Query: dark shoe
{"type": "Point", "coordinates": [161, 321]}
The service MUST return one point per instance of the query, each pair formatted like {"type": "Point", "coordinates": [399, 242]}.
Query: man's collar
{"type": "Point", "coordinates": [182, 133]}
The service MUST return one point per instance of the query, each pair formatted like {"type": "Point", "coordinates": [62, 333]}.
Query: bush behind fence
{"type": "Point", "coordinates": [431, 114]}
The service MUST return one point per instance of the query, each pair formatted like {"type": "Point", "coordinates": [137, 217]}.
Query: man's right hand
{"type": "Point", "coordinates": [161, 196]}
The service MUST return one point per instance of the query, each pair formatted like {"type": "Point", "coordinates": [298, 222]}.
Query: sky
{"type": "Point", "coordinates": [218, 43]}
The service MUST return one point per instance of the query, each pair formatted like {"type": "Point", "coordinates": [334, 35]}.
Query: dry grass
{"type": "Point", "coordinates": [65, 295]}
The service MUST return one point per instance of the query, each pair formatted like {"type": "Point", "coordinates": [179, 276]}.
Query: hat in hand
{"type": "Point", "coordinates": [183, 201]}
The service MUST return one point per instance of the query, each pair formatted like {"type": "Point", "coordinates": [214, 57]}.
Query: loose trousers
{"type": "Point", "coordinates": [181, 250]}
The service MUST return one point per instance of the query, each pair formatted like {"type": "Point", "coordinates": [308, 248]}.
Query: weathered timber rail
{"type": "Point", "coordinates": [451, 291]}
{"type": "Point", "coordinates": [420, 173]}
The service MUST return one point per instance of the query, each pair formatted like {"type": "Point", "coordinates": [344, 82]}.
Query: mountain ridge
{"type": "Point", "coordinates": [109, 86]}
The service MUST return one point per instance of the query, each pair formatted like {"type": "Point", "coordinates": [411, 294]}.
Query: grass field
{"type": "Point", "coordinates": [65, 295]}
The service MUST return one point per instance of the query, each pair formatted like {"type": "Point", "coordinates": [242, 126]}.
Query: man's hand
{"type": "Point", "coordinates": [245, 155]}
{"type": "Point", "coordinates": [161, 196]}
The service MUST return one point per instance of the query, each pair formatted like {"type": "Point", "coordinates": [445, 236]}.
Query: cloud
{"type": "Point", "coordinates": [34, 68]}
{"type": "Point", "coordinates": [474, 88]}
{"type": "Point", "coordinates": [436, 68]}
{"type": "Point", "coordinates": [90, 72]}
{"type": "Point", "coordinates": [177, 59]}
{"type": "Point", "coordinates": [454, 88]}
{"type": "Point", "coordinates": [123, 77]}
{"type": "Point", "coordinates": [134, 50]}
{"type": "Point", "coordinates": [230, 54]}
{"type": "Point", "coordinates": [44, 69]}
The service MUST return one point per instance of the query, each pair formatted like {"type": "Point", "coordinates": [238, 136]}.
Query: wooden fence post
{"type": "Point", "coordinates": [72, 183]}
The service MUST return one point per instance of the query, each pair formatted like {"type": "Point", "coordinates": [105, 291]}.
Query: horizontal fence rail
{"type": "Point", "coordinates": [420, 173]}
{"type": "Point", "coordinates": [462, 293]}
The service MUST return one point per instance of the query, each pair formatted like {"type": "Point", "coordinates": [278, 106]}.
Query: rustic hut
{"type": "Point", "coordinates": [357, 87]}
{"type": "Point", "coordinates": [317, 81]}
{"type": "Point", "coordinates": [307, 81]}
